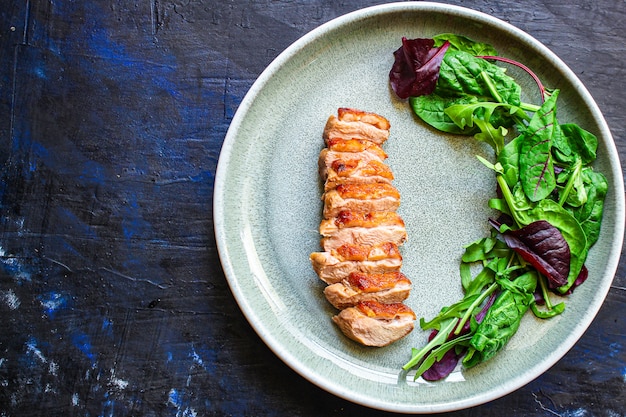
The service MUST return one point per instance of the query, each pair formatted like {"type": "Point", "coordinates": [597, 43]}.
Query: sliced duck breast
{"type": "Point", "coordinates": [362, 229]}
{"type": "Point", "coordinates": [366, 197]}
{"type": "Point", "coordinates": [355, 171]}
{"type": "Point", "coordinates": [376, 324]}
{"type": "Point", "coordinates": [334, 266]}
{"type": "Point", "coordinates": [387, 288]}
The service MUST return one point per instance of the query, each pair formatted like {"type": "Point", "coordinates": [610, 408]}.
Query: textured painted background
{"type": "Point", "coordinates": [112, 298]}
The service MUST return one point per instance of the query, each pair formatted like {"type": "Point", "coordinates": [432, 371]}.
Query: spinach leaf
{"type": "Point", "coordinates": [502, 319]}
{"type": "Point", "coordinates": [573, 143]}
{"type": "Point", "coordinates": [461, 74]}
{"type": "Point", "coordinates": [509, 159]}
{"type": "Point", "coordinates": [431, 110]}
{"type": "Point", "coordinates": [589, 216]}
{"type": "Point", "coordinates": [535, 156]}
{"type": "Point", "coordinates": [465, 44]}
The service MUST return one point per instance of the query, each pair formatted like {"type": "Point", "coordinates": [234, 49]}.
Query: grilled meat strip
{"type": "Point", "coordinates": [387, 288]}
{"type": "Point", "coordinates": [337, 264]}
{"type": "Point", "coordinates": [356, 124]}
{"type": "Point", "coordinates": [365, 197]}
{"type": "Point", "coordinates": [362, 229]}
{"type": "Point", "coordinates": [376, 324]}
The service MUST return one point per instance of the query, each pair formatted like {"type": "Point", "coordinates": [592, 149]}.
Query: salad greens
{"type": "Point", "coordinates": [549, 199]}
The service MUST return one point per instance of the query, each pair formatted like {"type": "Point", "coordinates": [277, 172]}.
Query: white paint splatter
{"type": "Point", "coordinates": [53, 368]}
{"type": "Point", "coordinates": [174, 398]}
{"type": "Point", "coordinates": [196, 358]}
{"type": "Point", "coordinates": [10, 299]}
{"type": "Point", "coordinates": [580, 412]}
{"type": "Point", "coordinates": [117, 382]}
{"type": "Point", "coordinates": [54, 302]}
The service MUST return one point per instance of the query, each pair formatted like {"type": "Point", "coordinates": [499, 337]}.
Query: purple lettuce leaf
{"type": "Point", "coordinates": [415, 70]}
{"type": "Point", "coordinates": [543, 246]}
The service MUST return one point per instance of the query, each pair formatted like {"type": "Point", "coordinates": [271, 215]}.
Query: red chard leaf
{"type": "Point", "coordinates": [543, 246]}
{"type": "Point", "coordinates": [415, 70]}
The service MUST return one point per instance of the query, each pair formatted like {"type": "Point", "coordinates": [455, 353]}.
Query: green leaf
{"type": "Point", "coordinates": [573, 143]}
{"type": "Point", "coordinates": [503, 318]}
{"type": "Point", "coordinates": [509, 159]}
{"type": "Point", "coordinates": [465, 44]}
{"type": "Point", "coordinates": [571, 230]}
{"type": "Point", "coordinates": [461, 74]}
{"type": "Point", "coordinates": [535, 156]}
{"type": "Point", "coordinates": [589, 215]}
{"type": "Point", "coordinates": [431, 108]}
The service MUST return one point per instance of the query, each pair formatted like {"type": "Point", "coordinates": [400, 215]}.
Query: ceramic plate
{"type": "Point", "coordinates": [267, 207]}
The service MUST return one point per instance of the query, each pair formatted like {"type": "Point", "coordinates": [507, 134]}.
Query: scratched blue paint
{"type": "Point", "coordinates": [579, 412]}
{"type": "Point", "coordinates": [615, 349]}
{"type": "Point", "coordinates": [83, 343]}
{"type": "Point", "coordinates": [204, 357]}
{"type": "Point", "coordinates": [67, 217]}
{"type": "Point", "coordinates": [107, 327]}
{"type": "Point", "coordinates": [132, 223]}
{"type": "Point", "coordinates": [175, 398]}
{"type": "Point", "coordinates": [52, 303]}
{"type": "Point", "coordinates": [12, 267]}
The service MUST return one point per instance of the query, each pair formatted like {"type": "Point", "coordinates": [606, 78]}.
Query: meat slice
{"type": "Point", "coordinates": [348, 114]}
{"type": "Point", "coordinates": [355, 171]}
{"type": "Point", "coordinates": [356, 146]}
{"type": "Point", "coordinates": [366, 197]}
{"type": "Point", "coordinates": [356, 124]}
{"type": "Point", "coordinates": [362, 229]}
{"type": "Point", "coordinates": [376, 324]}
{"type": "Point", "coordinates": [334, 266]}
{"type": "Point", "coordinates": [387, 288]}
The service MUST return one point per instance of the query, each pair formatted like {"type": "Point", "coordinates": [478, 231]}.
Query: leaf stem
{"type": "Point", "coordinates": [439, 339]}
{"type": "Point", "coordinates": [491, 86]}
{"type": "Point", "coordinates": [508, 197]}
{"type": "Point", "coordinates": [471, 308]}
{"type": "Point", "coordinates": [570, 182]}
{"type": "Point", "coordinates": [542, 89]}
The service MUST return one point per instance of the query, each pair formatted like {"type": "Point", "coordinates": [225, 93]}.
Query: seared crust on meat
{"type": "Point", "coordinates": [348, 114]}
{"type": "Point", "coordinates": [387, 288]}
{"type": "Point", "coordinates": [349, 218]}
{"type": "Point", "coordinates": [369, 283]}
{"type": "Point", "coordinates": [332, 270]}
{"type": "Point", "coordinates": [349, 252]}
{"type": "Point", "coordinates": [365, 197]}
{"type": "Point", "coordinates": [340, 129]}
{"type": "Point", "coordinates": [362, 230]}
{"type": "Point", "coordinates": [375, 324]}
{"type": "Point", "coordinates": [355, 171]}
{"type": "Point", "coordinates": [356, 146]}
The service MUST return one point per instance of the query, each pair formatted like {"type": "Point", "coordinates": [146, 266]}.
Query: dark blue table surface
{"type": "Point", "coordinates": [113, 300]}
